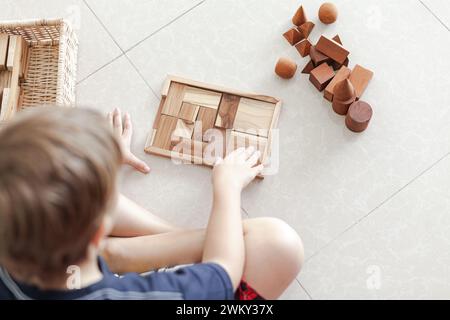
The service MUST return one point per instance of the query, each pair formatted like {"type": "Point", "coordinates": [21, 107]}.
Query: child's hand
{"type": "Point", "coordinates": [238, 169]}
{"type": "Point", "coordinates": [124, 131]}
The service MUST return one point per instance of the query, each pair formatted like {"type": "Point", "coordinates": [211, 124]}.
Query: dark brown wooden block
{"type": "Point", "coordinates": [306, 28]}
{"type": "Point", "coordinates": [337, 65]}
{"type": "Point", "coordinates": [227, 111]}
{"type": "Point", "coordinates": [303, 47]}
{"type": "Point", "coordinates": [332, 49]}
{"type": "Point", "coordinates": [360, 78]}
{"type": "Point", "coordinates": [337, 39]}
{"type": "Point", "coordinates": [299, 17]}
{"type": "Point", "coordinates": [293, 36]}
{"type": "Point", "coordinates": [309, 66]}
{"type": "Point", "coordinates": [321, 76]}
{"type": "Point", "coordinates": [317, 57]}
{"type": "Point", "coordinates": [344, 96]}
{"type": "Point", "coordinates": [4, 41]}
{"type": "Point", "coordinates": [358, 116]}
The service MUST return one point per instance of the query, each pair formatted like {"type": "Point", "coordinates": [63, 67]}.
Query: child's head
{"type": "Point", "coordinates": [58, 169]}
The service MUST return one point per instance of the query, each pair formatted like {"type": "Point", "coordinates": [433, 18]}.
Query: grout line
{"type": "Point", "coordinates": [142, 76]}
{"type": "Point", "coordinates": [304, 289]}
{"type": "Point", "coordinates": [164, 26]}
{"type": "Point", "coordinates": [437, 18]}
{"type": "Point", "coordinates": [98, 69]}
{"type": "Point", "coordinates": [377, 207]}
{"type": "Point", "coordinates": [245, 211]}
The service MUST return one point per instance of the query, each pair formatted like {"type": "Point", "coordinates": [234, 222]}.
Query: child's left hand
{"type": "Point", "coordinates": [124, 130]}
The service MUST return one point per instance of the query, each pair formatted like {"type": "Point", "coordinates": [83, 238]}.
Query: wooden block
{"type": "Point", "coordinates": [23, 59]}
{"type": "Point", "coordinates": [174, 99]}
{"type": "Point", "coordinates": [342, 74]}
{"type": "Point", "coordinates": [238, 140]}
{"type": "Point", "coordinates": [321, 76]}
{"type": "Point", "coordinates": [306, 28]}
{"type": "Point", "coordinates": [358, 116]}
{"type": "Point", "coordinates": [158, 114]}
{"type": "Point", "coordinates": [360, 78]}
{"type": "Point", "coordinates": [188, 112]}
{"type": "Point", "coordinates": [303, 47]}
{"type": "Point", "coordinates": [300, 17]}
{"type": "Point", "coordinates": [183, 129]}
{"type": "Point", "coordinates": [227, 111]}
{"type": "Point", "coordinates": [207, 118]}
{"type": "Point", "coordinates": [201, 97]}
{"type": "Point", "coordinates": [4, 105]}
{"type": "Point", "coordinates": [332, 49]}
{"type": "Point", "coordinates": [337, 39]}
{"type": "Point", "coordinates": [293, 36]}
{"type": "Point", "coordinates": [309, 66]}
{"type": "Point", "coordinates": [285, 68]}
{"type": "Point", "coordinates": [344, 96]}
{"type": "Point", "coordinates": [254, 115]}
{"type": "Point", "coordinates": [11, 52]}
{"type": "Point", "coordinates": [337, 65]}
{"type": "Point", "coordinates": [163, 136]}
{"type": "Point", "coordinates": [4, 41]}
{"type": "Point", "coordinates": [317, 57]}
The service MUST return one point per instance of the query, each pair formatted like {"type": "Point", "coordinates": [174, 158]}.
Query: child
{"type": "Point", "coordinates": [59, 203]}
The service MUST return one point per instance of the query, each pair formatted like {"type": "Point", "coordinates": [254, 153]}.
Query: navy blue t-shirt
{"type": "Point", "coordinates": [195, 282]}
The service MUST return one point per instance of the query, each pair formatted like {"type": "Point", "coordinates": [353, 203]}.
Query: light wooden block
{"type": "Point", "coordinates": [207, 118]}
{"type": "Point", "coordinates": [254, 115]}
{"type": "Point", "coordinates": [227, 111]}
{"type": "Point", "coordinates": [238, 140]}
{"type": "Point", "coordinates": [174, 99]}
{"type": "Point", "coordinates": [201, 97]}
{"type": "Point", "coordinates": [4, 105]}
{"type": "Point", "coordinates": [4, 41]}
{"type": "Point", "coordinates": [12, 48]}
{"type": "Point", "coordinates": [163, 136]}
{"type": "Point", "coordinates": [183, 129]}
{"type": "Point", "coordinates": [188, 112]}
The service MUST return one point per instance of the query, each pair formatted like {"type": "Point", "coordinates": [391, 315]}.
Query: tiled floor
{"type": "Point", "coordinates": [373, 209]}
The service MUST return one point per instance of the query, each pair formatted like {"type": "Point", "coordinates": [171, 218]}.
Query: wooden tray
{"type": "Point", "coordinates": [198, 122]}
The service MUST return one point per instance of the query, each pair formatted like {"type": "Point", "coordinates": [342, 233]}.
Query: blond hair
{"type": "Point", "coordinates": [58, 169]}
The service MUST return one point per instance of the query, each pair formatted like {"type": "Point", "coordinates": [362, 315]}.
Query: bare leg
{"type": "Point", "coordinates": [274, 253]}
{"type": "Point", "coordinates": [131, 220]}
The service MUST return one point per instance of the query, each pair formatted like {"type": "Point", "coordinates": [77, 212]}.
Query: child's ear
{"type": "Point", "coordinates": [99, 235]}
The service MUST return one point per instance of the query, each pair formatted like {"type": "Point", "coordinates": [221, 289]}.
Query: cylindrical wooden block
{"type": "Point", "coordinates": [342, 107]}
{"type": "Point", "coordinates": [285, 68]}
{"type": "Point", "coordinates": [358, 116]}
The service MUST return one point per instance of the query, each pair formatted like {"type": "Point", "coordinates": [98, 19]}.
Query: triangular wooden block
{"type": "Point", "coordinates": [306, 28]}
{"type": "Point", "coordinates": [299, 17]}
{"type": "Point", "coordinates": [307, 69]}
{"type": "Point", "coordinates": [293, 36]}
{"type": "Point", "coordinates": [337, 39]}
{"type": "Point", "coordinates": [303, 47]}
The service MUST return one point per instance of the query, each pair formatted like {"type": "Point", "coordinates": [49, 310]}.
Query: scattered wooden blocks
{"type": "Point", "coordinates": [344, 96]}
{"type": "Point", "coordinates": [317, 57]}
{"type": "Point", "coordinates": [332, 49]}
{"type": "Point", "coordinates": [309, 66]}
{"type": "Point", "coordinates": [227, 111]}
{"type": "Point", "coordinates": [293, 36]}
{"type": "Point", "coordinates": [306, 28]}
{"type": "Point", "coordinates": [285, 68]}
{"type": "Point", "coordinates": [299, 17]}
{"type": "Point", "coordinates": [303, 47]}
{"type": "Point", "coordinates": [4, 42]}
{"type": "Point", "coordinates": [342, 74]}
{"type": "Point", "coordinates": [321, 76]}
{"type": "Point", "coordinates": [360, 78]}
{"type": "Point", "coordinates": [358, 116]}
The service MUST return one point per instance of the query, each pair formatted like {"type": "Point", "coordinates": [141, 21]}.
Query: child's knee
{"type": "Point", "coordinates": [282, 241]}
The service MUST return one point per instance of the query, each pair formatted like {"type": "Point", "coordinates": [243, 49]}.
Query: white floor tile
{"type": "Point", "coordinates": [398, 252]}
{"type": "Point", "coordinates": [441, 8]}
{"type": "Point", "coordinates": [130, 22]}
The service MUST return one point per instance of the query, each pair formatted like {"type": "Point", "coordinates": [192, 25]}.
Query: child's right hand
{"type": "Point", "coordinates": [237, 170]}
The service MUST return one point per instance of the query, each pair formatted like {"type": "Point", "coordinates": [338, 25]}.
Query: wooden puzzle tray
{"type": "Point", "coordinates": [198, 122]}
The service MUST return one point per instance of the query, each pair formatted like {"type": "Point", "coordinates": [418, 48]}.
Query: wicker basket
{"type": "Point", "coordinates": [51, 76]}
